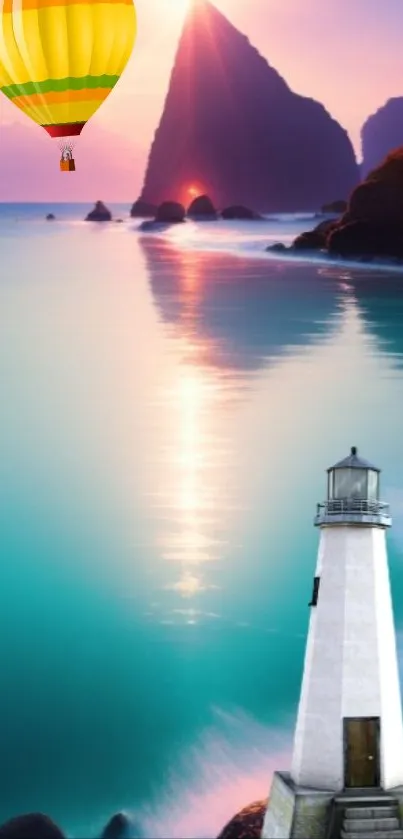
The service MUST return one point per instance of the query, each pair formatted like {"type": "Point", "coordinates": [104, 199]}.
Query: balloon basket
{"type": "Point", "coordinates": [67, 166]}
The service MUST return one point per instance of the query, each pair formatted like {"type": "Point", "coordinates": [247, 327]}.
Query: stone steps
{"type": "Point", "coordinates": [373, 820]}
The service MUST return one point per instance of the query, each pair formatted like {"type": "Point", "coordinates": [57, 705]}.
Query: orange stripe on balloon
{"type": "Point", "coordinates": [26, 5]}
{"type": "Point", "coordinates": [60, 97]}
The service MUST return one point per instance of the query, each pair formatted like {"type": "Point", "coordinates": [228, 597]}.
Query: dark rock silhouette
{"type": "Point", "coordinates": [99, 213]}
{"type": "Point", "coordinates": [373, 223]}
{"type": "Point", "coordinates": [381, 133]}
{"type": "Point", "coordinates": [143, 209]}
{"type": "Point", "coordinates": [170, 211]}
{"type": "Point", "coordinates": [247, 824]}
{"type": "Point", "coordinates": [232, 125]}
{"type": "Point", "coordinates": [50, 217]}
{"type": "Point", "coordinates": [335, 207]}
{"type": "Point", "coordinates": [119, 827]}
{"type": "Point", "coordinates": [237, 211]}
{"type": "Point", "coordinates": [315, 239]}
{"type": "Point", "coordinates": [202, 209]}
{"type": "Point", "coordinates": [31, 826]}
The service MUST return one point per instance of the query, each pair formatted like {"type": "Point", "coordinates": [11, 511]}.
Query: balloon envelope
{"type": "Point", "coordinates": [60, 59]}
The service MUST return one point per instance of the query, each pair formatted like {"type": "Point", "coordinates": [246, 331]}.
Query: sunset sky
{"type": "Point", "coordinates": [344, 53]}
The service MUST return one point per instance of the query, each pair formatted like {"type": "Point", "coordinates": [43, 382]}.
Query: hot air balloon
{"type": "Point", "coordinates": [60, 59]}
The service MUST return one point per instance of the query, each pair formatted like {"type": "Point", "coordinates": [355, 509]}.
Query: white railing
{"type": "Point", "coordinates": [352, 506]}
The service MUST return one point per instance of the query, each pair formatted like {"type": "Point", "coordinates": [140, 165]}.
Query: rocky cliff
{"type": "Point", "coordinates": [381, 133]}
{"type": "Point", "coordinates": [232, 128]}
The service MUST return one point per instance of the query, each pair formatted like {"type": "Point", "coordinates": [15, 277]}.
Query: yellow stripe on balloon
{"type": "Point", "coordinates": [62, 97]}
{"type": "Point", "coordinates": [67, 112]}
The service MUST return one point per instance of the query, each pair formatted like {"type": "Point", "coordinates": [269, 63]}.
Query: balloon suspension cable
{"type": "Point", "coordinates": [66, 145]}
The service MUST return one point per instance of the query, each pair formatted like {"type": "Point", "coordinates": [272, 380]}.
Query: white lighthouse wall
{"type": "Point", "coordinates": [350, 662]}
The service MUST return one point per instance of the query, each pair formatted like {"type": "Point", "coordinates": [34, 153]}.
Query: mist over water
{"type": "Point", "coordinates": [168, 411]}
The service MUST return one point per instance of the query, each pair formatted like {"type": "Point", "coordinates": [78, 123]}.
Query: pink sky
{"type": "Point", "coordinates": [344, 53]}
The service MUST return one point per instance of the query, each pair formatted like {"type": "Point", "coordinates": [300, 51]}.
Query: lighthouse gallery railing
{"type": "Point", "coordinates": [337, 507]}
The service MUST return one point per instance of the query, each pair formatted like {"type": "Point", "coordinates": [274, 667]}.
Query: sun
{"type": "Point", "coordinates": [193, 192]}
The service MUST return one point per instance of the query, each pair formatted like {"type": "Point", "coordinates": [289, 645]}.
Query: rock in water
{"type": "Point", "coordinates": [237, 211]}
{"type": "Point", "coordinates": [99, 213]}
{"type": "Point", "coordinates": [31, 826]}
{"type": "Point", "coordinates": [119, 827]}
{"type": "Point", "coordinates": [381, 133]}
{"type": "Point", "coordinates": [170, 211]}
{"type": "Point", "coordinates": [247, 824]}
{"type": "Point", "coordinates": [50, 217]}
{"type": "Point", "coordinates": [202, 209]}
{"type": "Point", "coordinates": [373, 223]}
{"type": "Point", "coordinates": [143, 209]}
{"type": "Point", "coordinates": [232, 127]}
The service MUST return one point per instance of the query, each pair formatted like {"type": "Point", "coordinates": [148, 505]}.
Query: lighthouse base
{"type": "Point", "coordinates": [296, 812]}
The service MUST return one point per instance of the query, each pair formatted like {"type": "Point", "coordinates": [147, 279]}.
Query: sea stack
{"type": "Point", "coordinates": [231, 128]}
{"type": "Point", "coordinates": [382, 133]}
{"type": "Point", "coordinates": [347, 766]}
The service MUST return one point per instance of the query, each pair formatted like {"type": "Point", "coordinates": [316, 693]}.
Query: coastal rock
{"type": "Point", "coordinates": [382, 132]}
{"type": "Point", "coordinates": [373, 223]}
{"type": "Point", "coordinates": [143, 209]}
{"type": "Point", "coordinates": [315, 239]}
{"type": "Point", "coordinates": [363, 238]}
{"type": "Point", "coordinates": [50, 217]}
{"type": "Point", "coordinates": [247, 824]}
{"type": "Point", "coordinates": [202, 209]}
{"type": "Point", "coordinates": [277, 247]}
{"type": "Point", "coordinates": [232, 126]}
{"type": "Point", "coordinates": [237, 211]}
{"type": "Point", "coordinates": [119, 827]}
{"type": "Point", "coordinates": [31, 826]}
{"type": "Point", "coordinates": [170, 211]}
{"type": "Point", "coordinates": [99, 213]}
{"type": "Point", "coordinates": [338, 207]}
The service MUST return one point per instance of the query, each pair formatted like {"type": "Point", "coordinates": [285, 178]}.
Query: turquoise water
{"type": "Point", "coordinates": [167, 415]}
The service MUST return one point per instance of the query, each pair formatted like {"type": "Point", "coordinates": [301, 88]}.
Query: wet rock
{"type": "Point", "coordinates": [238, 211]}
{"type": "Point", "coordinates": [31, 826]}
{"type": "Point", "coordinates": [202, 209]}
{"type": "Point", "coordinates": [310, 241]}
{"type": "Point", "coordinates": [278, 247]}
{"type": "Point", "coordinates": [99, 213]}
{"type": "Point", "coordinates": [50, 217]}
{"type": "Point", "coordinates": [143, 209]}
{"type": "Point", "coordinates": [364, 238]}
{"type": "Point", "coordinates": [120, 826]}
{"type": "Point", "coordinates": [247, 824]}
{"type": "Point", "coordinates": [170, 211]}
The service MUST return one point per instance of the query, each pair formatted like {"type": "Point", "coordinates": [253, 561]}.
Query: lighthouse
{"type": "Point", "coordinates": [348, 743]}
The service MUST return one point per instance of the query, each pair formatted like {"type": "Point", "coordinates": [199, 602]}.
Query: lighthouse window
{"type": "Point", "coordinates": [350, 483]}
{"type": "Point", "coordinates": [372, 485]}
{"type": "Point", "coordinates": [315, 591]}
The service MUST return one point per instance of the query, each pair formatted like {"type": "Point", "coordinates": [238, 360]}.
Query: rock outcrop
{"type": "Point", "coordinates": [143, 209]}
{"type": "Point", "coordinates": [237, 211]}
{"type": "Point", "coordinates": [247, 824]}
{"type": "Point", "coordinates": [99, 213]}
{"type": "Point", "coordinates": [119, 827]}
{"type": "Point", "coordinates": [202, 209]}
{"type": "Point", "coordinates": [232, 126]}
{"type": "Point", "coordinates": [372, 226]}
{"type": "Point", "coordinates": [31, 826]}
{"type": "Point", "coordinates": [381, 133]}
{"type": "Point", "coordinates": [50, 217]}
{"type": "Point", "coordinates": [171, 212]}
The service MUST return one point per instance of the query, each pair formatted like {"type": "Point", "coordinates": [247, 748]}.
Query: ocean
{"type": "Point", "coordinates": [169, 406]}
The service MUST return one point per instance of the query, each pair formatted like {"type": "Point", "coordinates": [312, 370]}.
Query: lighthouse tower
{"type": "Point", "coordinates": [349, 731]}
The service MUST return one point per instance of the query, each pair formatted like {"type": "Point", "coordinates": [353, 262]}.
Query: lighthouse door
{"type": "Point", "coordinates": [361, 751]}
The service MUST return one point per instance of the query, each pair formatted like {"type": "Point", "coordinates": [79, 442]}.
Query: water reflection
{"type": "Point", "coordinates": [226, 320]}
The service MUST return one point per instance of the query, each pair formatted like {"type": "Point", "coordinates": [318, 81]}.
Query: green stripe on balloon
{"type": "Point", "coordinates": [50, 85]}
